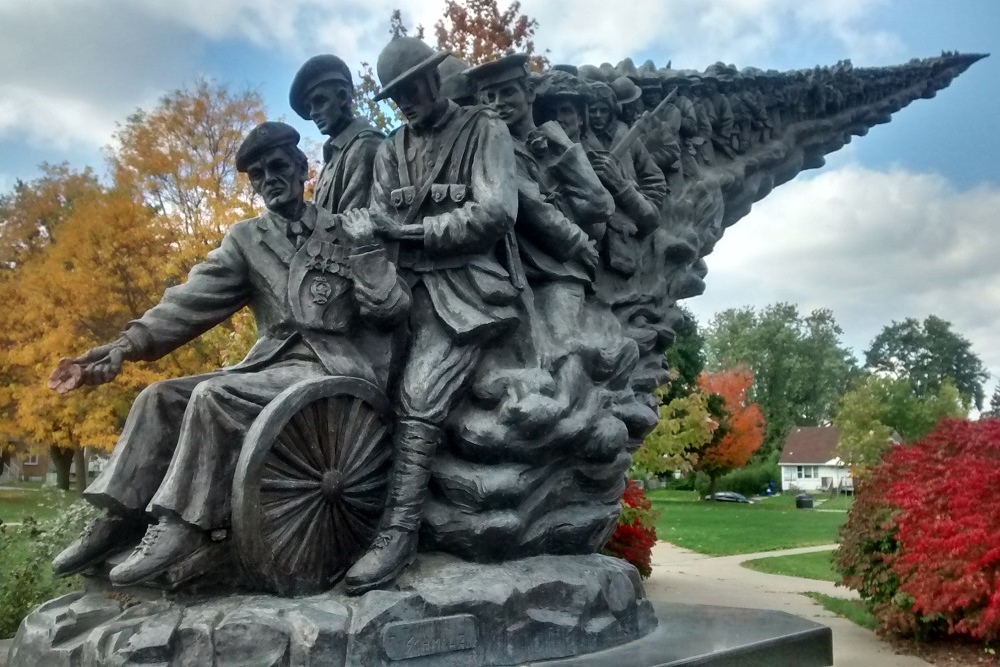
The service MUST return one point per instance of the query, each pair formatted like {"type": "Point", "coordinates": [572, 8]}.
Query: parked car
{"type": "Point", "coordinates": [729, 497]}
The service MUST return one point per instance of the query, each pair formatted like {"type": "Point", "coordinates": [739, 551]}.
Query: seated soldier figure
{"type": "Point", "coordinates": [313, 280]}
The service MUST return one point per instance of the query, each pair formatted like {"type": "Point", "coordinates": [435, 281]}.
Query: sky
{"type": "Point", "coordinates": [901, 223]}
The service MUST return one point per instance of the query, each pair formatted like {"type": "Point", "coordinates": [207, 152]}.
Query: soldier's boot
{"type": "Point", "coordinates": [102, 537]}
{"type": "Point", "coordinates": [396, 544]}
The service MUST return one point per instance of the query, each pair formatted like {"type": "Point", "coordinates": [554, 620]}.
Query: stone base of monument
{"type": "Point", "coordinates": [442, 612]}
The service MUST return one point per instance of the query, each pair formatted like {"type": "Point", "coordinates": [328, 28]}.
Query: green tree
{"type": "Point", "coordinates": [801, 368]}
{"type": "Point", "coordinates": [994, 410]}
{"type": "Point", "coordinates": [685, 359]}
{"type": "Point", "coordinates": [927, 354]}
{"type": "Point", "coordinates": [879, 408]}
{"type": "Point", "coordinates": [684, 429]}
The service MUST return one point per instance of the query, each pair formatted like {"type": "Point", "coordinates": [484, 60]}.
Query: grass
{"type": "Point", "coordinates": [815, 565]}
{"type": "Point", "coordinates": [724, 529]}
{"type": "Point", "coordinates": [853, 610]}
{"type": "Point", "coordinates": [25, 500]}
{"type": "Point", "coordinates": [838, 502]}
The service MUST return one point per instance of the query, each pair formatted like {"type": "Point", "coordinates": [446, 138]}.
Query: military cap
{"type": "Point", "coordinates": [507, 68]}
{"type": "Point", "coordinates": [625, 90]}
{"type": "Point", "coordinates": [455, 84]}
{"type": "Point", "coordinates": [569, 69]}
{"type": "Point", "coordinates": [264, 137]}
{"type": "Point", "coordinates": [589, 73]}
{"type": "Point", "coordinates": [318, 69]}
{"type": "Point", "coordinates": [402, 59]}
{"type": "Point", "coordinates": [560, 84]}
{"type": "Point", "coordinates": [602, 92]}
{"type": "Point", "coordinates": [648, 76]}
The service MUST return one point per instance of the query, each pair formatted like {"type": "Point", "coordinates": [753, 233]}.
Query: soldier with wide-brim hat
{"type": "Point", "coordinates": [403, 59]}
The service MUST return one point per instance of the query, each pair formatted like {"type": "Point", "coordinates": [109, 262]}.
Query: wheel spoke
{"type": "Point", "coordinates": [307, 545]}
{"type": "Point", "coordinates": [277, 485]}
{"type": "Point", "coordinates": [366, 487]}
{"type": "Point", "coordinates": [354, 527]}
{"type": "Point", "coordinates": [373, 461]}
{"type": "Point", "coordinates": [302, 432]}
{"type": "Point", "coordinates": [369, 506]}
{"type": "Point", "coordinates": [279, 510]}
{"type": "Point", "coordinates": [288, 532]}
{"type": "Point", "coordinates": [348, 426]}
{"type": "Point", "coordinates": [285, 449]}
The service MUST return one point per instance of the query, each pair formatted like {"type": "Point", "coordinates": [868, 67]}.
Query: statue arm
{"type": "Point", "coordinates": [490, 207]}
{"type": "Point", "coordinates": [358, 170]}
{"type": "Point", "coordinates": [381, 295]}
{"type": "Point", "coordinates": [215, 289]}
{"type": "Point", "coordinates": [588, 201]}
{"type": "Point", "coordinates": [544, 224]}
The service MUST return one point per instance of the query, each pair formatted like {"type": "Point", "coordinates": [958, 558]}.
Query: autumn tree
{"type": "Point", "coordinates": [478, 31]}
{"type": "Point", "coordinates": [738, 431]}
{"type": "Point", "coordinates": [85, 259]}
{"type": "Point", "coordinates": [801, 368]}
{"type": "Point", "coordinates": [684, 429]}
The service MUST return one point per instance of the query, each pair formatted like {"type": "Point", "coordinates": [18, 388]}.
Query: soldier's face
{"type": "Point", "coordinates": [567, 115]}
{"type": "Point", "coordinates": [600, 116]}
{"type": "Point", "coordinates": [510, 99]}
{"type": "Point", "coordinates": [277, 178]}
{"type": "Point", "coordinates": [329, 106]}
{"type": "Point", "coordinates": [417, 99]}
{"type": "Point", "coordinates": [630, 111]}
{"type": "Point", "coordinates": [651, 97]}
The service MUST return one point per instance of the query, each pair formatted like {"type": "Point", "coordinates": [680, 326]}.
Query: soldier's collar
{"type": "Point", "coordinates": [351, 130]}
{"type": "Point", "coordinates": [440, 123]}
{"type": "Point", "coordinates": [308, 218]}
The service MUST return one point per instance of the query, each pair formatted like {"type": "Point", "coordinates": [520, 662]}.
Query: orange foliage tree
{"type": "Point", "coordinates": [81, 259]}
{"type": "Point", "coordinates": [478, 31]}
{"type": "Point", "coordinates": [740, 424]}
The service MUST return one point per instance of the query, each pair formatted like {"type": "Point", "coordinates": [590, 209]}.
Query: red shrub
{"type": "Point", "coordinates": [635, 535]}
{"type": "Point", "coordinates": [922, 543]}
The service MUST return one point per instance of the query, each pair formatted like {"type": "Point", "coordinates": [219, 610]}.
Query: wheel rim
{"type": "Point", "coordinates": [311, 484]}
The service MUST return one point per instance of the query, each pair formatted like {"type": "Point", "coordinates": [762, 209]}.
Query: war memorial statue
{"type": "Point", "coordinates": [419, 460]}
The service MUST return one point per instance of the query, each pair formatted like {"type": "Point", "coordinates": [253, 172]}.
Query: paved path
{"type": "Point", "coordinates": [680, 575]}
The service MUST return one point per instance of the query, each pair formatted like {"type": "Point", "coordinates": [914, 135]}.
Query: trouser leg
{"type": "Point", "coordinates": [197, 487]}
{"type": "Point", "coordinates": [147, 443]}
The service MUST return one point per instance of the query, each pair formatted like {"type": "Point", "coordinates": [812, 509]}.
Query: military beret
{"type": "Point", "coordinates": [264, 137]}
{"type": "Point", "coordinates": [507, 68]}
{"type": "Point", "coordinates": [316, 70]}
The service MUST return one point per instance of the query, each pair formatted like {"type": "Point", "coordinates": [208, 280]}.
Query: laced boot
{"type": "Point", "coordinates": [396, 544]}
{"type": "Point", "coordinates": [164, 544]}
{"type": "Point", "coordinates": [101, 537]}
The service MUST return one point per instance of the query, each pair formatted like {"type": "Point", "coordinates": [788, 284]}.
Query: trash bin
{"type": "Point", "coordinates": [804, 501]}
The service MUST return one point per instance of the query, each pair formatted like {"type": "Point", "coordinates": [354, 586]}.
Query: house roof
{"type": "Point", "coordinates": [810, 444]}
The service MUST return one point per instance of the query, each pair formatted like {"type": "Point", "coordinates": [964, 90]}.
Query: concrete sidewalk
{"type": "Point", "coordinates": [680, 575]}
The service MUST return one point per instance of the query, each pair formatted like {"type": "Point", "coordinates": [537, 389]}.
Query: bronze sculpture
{"type": "Point", "coordinates": [507, 290]}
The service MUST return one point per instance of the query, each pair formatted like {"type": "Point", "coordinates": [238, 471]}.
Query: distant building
{"type": "Point", "coordinates": [809, 461]}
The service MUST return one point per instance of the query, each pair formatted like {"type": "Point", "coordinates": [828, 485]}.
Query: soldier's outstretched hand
{"type": "Point", "coordinates": [97, 366]}
{"type": "Point", "coordinates": [589, 256]}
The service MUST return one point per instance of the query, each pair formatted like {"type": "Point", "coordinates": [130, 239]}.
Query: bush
{"type": "Point", "coordinates": [635, 535]}
{"type": "Point", "coordinates": [922, 541]}
{"type": "Point", "coordinates": [751, 480]}
{"type": "Point", "coordinates": [26, 552]}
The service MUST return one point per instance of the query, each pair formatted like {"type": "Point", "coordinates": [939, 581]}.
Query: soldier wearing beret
{"type": "Point", "coordinates": [323, 92]}
{"type": "Point", "coordinates": [325, 298]}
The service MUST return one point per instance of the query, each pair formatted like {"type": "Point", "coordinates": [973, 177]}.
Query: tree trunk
{"type": "Point", "coordinates": [80, 462]}
{"type": "Point", "coordinates": [62, 458]}
{"type": "Point", "coordinates": [711, 484]}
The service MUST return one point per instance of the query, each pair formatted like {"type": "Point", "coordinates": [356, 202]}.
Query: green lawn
{"type": "Point", "coordinates": [816, 565]}
{"type": "Point", "coordinates": [839, 502]}
{"type": "Point", "coordinates": [32, 500]}
{"type": "Point", "coordinates": [723, 529]}
{"type": "Point", "coordinates": [853, 610]}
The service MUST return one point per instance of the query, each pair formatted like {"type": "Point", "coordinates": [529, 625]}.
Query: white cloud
{"type": "Point", "coordinates": [872, 246]}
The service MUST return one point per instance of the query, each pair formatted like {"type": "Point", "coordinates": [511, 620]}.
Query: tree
{"type": "Point", "coordinates": [927, 355]}
{"type": "Point", "coordinates": [91, 258]}
{"type": "Point", "coordinates": [994, 410]}
{"type": "Point", "coordinates": [478, 32]}
{"type": "Point", "coordinates": [800, 367]}
{"type": "Point", "coordinates": [879, 408]}
{"type": "Point", "coordinates": [685, 359]}
{"type": "Point", "coordinates": [739, 430]}
{"type": "Point", "coordinates": [684, 429]}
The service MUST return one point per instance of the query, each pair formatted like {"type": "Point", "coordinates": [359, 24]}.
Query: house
{"type": "Point", "coordinates": [23, 463]}
{"type": "Point", "coordinates": [809, 461]}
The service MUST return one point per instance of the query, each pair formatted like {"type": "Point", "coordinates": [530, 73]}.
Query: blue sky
{"type": "Point", "coordinates": [910, 222]}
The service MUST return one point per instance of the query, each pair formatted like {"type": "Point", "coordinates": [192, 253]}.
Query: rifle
{"type": "Point", "coordinates": [639, 127]}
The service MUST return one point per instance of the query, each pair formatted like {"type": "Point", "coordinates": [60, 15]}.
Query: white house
{"type": "Point", "coordinates": [809, 461]}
